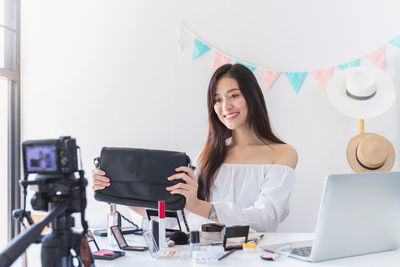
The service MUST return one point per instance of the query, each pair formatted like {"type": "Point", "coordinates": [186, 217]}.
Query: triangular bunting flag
{"type": "Point", "coordinates": [296, 79]}
{"type": "Point", "coordinates": [377, 57]}
{"type": "Point", "coordinates": [220, 59]}
{"type": "Point", "coordinates": [396, 41]}
{"type": "Point", "coordinates": [248, 66]}
{"type": "Point", "coordinates": [199, 48]}
{"type": "Point", "coordinates": [269, 77]}
{"type": "Point", "coordinates": [350, 64]}
{"type": "Point", "coordinates": [323, 76]}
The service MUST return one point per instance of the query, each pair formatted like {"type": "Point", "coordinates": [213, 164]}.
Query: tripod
{"type": "Point", "coordinates": [61, 247]}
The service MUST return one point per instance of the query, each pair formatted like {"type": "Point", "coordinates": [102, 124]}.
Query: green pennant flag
{"type": "Point", "coordinates": [296, 79]}
{"type": "Point", "coordinates": [199, 48]}
{"type": "Point", "coordinates": [396, 41]}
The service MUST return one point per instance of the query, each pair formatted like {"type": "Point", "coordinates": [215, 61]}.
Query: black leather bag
{"type": "Point", "coordinates": [138, 177]}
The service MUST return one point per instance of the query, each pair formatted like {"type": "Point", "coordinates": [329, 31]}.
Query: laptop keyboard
{"type": "Point", "coordinates": [303, 251]}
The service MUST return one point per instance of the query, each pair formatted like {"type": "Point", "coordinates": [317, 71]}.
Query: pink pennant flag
{"type": "Point", "coordinates": [377, 57]}
{"type": "Point", "coordinates": [323, 76]}
{"type": "Point", "coordinates": [220, 59]}
{"type": "Point", "coordinates": [269, 77]}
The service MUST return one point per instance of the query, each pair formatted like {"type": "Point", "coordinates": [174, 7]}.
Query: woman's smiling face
{"type": "Point", "coordinates": [229, 103]}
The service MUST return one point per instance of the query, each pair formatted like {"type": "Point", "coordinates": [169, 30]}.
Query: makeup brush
{"type": "Point", "coordinates": [180, 238]}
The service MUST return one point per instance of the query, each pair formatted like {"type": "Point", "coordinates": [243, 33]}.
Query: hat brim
{"type": "Point", "coordinates": [361, 109]}
{"type": "Point", "coordinates": [352, 157]}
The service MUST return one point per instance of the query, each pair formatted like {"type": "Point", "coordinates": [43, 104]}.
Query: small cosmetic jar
{"type": "Point", "coordinates": [249, 247]}
{"type": "Point", "coordinates": [213, 232]}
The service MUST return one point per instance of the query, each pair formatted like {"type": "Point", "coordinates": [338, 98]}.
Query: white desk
{"type": "Point", "coordinates": [238, 258]}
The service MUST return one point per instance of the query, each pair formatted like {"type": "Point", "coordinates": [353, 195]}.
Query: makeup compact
{"type": "Point", "coordinates": [101, 254]}
{"type": "Point", "coordinates": [106, 254]}
{"type": "Point", "coordinates": [171, 218]}
{"type": "Point", "coordinates": [122, 242]}
{"type": "Point", "coordinates": [280, 254]}
{"type": "Point", "coordinates": [268, 257]}
{"type": "Point", "coordinates": [235, 237]}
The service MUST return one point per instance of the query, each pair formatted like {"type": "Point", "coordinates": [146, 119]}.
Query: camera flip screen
{"type": "Point", "coordinates": [41, 158]}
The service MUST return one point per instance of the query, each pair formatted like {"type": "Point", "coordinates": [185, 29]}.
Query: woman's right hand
{"type": "Point", "coordinates": [100, 181]}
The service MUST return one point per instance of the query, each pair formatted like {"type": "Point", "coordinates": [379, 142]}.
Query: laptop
{"type": "Point", "coordinates": [359, 214]}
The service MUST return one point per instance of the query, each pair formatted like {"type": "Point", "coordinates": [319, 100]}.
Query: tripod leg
{"type": "Point", "coordinates": [56, 249]}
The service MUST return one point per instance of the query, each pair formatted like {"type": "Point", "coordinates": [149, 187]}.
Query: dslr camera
{"type": "Point", "coordinates": [54, 161]}
{"type": "Point", "coordinates": [50, 156]}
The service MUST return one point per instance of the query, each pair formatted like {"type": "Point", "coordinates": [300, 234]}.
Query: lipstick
{"type": "Point", "coordinates": [161, 224]}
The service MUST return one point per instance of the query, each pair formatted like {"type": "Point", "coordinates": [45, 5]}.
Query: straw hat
{"type": "Point", "coordinates": [370, 152]}
{"type": "Point", "coordinates": [361, 92]}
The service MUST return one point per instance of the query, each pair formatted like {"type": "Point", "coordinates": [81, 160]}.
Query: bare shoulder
{"type": "Point", "coordinates": [285, 155]}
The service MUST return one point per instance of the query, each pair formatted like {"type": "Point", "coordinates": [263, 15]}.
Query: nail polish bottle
{"type": "Point", "coordinates": [194, 241]}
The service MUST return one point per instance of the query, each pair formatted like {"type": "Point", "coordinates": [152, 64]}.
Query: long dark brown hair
{"type": "Point", "coordinates": [215, 149]}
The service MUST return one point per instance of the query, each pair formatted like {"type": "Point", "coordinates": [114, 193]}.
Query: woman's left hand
{"type": "Point", "coordinates": [188, 189]}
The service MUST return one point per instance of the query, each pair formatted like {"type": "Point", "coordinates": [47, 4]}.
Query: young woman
{"type": "Point", "coordinates": [246, 173]}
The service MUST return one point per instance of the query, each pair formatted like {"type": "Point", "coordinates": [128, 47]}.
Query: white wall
{"type": "Point", "coordinates": [109, 73]}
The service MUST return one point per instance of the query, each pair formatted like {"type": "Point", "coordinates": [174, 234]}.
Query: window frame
{"type": "Point", "coordinates": [11, 72]}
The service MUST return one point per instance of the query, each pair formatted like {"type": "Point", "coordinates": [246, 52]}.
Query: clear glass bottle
{"type": "Point", "coordinates": [194, 242]}
{"type": "Point", "coordinates": [112, 219]}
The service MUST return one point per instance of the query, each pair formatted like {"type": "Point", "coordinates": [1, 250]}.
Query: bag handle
{"type": "Point", "coordinates": [189, 161]}
{"type": "Point", "coordinates": [96, 162]}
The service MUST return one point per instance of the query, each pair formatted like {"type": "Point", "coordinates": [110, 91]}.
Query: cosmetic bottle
{"type": "Point", "coordinates": [112, 219]}
{"type": "Point", "coordinates": [161, 225]}
{"type": "Point", "coordinates": [194, 241]}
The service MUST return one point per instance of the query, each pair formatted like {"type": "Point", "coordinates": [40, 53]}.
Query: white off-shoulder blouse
{"type": "Point", "coordinates": [253, 194]}
{"type": "Point", "coordinates": [249, 194]}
